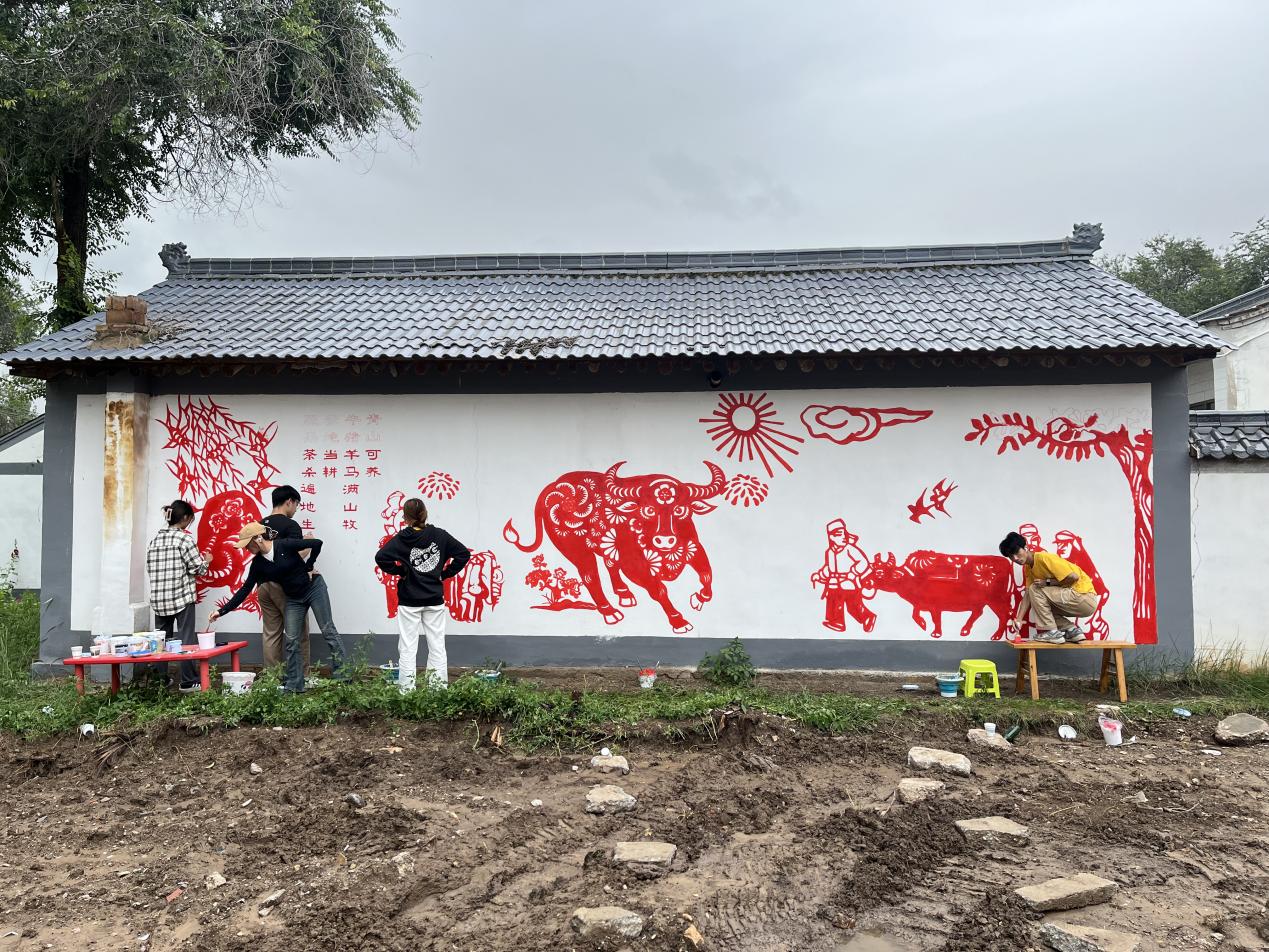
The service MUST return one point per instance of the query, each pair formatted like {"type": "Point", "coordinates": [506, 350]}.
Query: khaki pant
{"type": "Point", "coordinates": [1055, 606]}
{"type": "Point", "coordinates": [273, 620]}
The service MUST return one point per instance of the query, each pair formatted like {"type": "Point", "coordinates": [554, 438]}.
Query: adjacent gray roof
{"type": "Point", "coordinates": [1043, 296]}
{"type": "Point", "coordinates": [1217, 434]}
{"type": "Point", "coordinates": [1248, 301]}
{"type": "Point", "coordinates": [22, 431]}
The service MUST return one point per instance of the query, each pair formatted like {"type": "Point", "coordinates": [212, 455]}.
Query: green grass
{"type": "Point", "coordinates": [536, 718]}
{"type": "Point", "coordinates": [19, 634]}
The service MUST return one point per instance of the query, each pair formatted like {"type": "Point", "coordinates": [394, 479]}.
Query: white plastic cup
{"type": "Point", "coordinates": [1112, 731]}
{"type": "Point", "coordinates": [647, 680]}
{"type": "Point", "coordinates": [77, 651]}
{"type": "Point", "coordinates": [989, 727]}
{"type": "Point", "coordinates": [206, 640]}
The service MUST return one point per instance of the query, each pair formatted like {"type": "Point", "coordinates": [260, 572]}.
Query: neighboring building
{"type": "Point", "coordinates": [1238, 378]}
{"type": "Point", "coordinates": [21, 476]}
{"type": "Point", "coordinates": [1230, 483]}
{"type": "Point", "coordinates": [816, 451]}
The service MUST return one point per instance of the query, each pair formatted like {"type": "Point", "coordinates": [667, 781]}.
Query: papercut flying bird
{"type": "Point", "coordinates": [938, 494]}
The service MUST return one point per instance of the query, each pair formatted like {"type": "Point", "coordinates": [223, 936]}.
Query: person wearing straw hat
{"type": "Point", "coordinates": [280, 560]}
{"type": "Point", "coordinates": [843, 579]}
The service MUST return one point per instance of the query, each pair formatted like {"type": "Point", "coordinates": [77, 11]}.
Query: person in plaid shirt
{"type": "Point", "coordinates": [172, 562]}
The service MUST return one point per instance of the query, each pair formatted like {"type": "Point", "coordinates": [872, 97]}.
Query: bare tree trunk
{"type": "Point", "coordinates": [70, 223]}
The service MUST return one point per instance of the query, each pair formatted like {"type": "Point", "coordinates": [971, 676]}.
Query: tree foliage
{"type": "Point", "coordinates": [1189, 276]}
{"type": "Point", "coordinates": [20, 322]}
{"type": "Point", "coordinates": [106, 105]}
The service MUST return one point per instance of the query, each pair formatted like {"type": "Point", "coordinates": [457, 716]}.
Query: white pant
{"type": "Point", "coordinates": [431, 621]}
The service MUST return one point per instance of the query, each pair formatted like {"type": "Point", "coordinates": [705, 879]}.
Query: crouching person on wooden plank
{"type": "Point", "coordinates": [280, 560]}
{"type": "Point", "coordinates": [1055, 589]}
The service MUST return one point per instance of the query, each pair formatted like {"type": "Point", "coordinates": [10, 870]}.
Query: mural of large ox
{"type": "Point", "coordinates": [641, 526]}
{"type": "Point", "coordinates": [935, 583]}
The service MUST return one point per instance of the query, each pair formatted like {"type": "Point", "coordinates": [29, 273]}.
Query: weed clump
{"type": "Point", "coordinates": [730, 668]}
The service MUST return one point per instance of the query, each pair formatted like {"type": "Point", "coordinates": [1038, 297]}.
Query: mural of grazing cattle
{"type": "Point", "coordinates": [935, 583]}
{"type": "Point", "coordinates": [641, 526]}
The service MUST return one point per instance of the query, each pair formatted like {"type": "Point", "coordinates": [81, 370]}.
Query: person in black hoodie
{"type": "Point", "coordinates": [279, 560]}
{"type": "Point", "coordinates": [424, 557]}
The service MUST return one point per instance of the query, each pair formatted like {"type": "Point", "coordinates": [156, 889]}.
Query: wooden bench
{"type": "Point", "coordinates": [1112, 660]}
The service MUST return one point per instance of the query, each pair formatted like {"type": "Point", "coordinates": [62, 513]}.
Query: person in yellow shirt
{"type": "Point", "coordinates": [1055, 589]}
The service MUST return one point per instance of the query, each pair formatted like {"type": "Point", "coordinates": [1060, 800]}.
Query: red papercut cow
{"type": "Point", "coordinates": [935, 583]}
{"type": "Point", "coordinates": [642, 527]}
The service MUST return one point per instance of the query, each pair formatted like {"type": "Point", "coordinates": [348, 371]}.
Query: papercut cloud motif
{"type": "Point", "coordinates": [845, 425]}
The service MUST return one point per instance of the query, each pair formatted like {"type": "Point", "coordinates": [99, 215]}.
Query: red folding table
{"type": "Point", "coordinates": [190, 653]}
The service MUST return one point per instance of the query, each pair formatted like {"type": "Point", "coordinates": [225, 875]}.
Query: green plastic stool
{"type": "Point", "coordinates": [971, 669]}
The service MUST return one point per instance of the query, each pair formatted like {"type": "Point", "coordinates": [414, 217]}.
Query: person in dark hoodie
{"type": "Point", "coordinates": [280, 560]}
{"type": "Point", "coordinates": [424, 556]}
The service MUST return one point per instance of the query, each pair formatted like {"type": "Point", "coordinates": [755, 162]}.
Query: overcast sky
{"type": "Point", "coordinates": [673, 125]}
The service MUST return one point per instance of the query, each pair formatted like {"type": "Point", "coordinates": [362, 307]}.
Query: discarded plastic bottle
{"type": "Point", "coordinates": [1013, 732]}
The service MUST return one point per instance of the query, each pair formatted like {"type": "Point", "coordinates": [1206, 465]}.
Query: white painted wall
{"type": "Point", "coordinates": [1227, 500]}
{"type": "Point", "coordinates": [504, 450]}
{"type": "Point", "coordinates": [21, 511]}
{"type": "Point", "coordinates": [1238, 379]}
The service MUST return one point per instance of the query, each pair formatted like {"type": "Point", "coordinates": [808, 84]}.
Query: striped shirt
{"type": "Point", "coordinates": [172, 562]}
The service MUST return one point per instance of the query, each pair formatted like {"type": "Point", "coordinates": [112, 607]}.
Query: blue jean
{"type": "Point", "coordinates": [317, 600]}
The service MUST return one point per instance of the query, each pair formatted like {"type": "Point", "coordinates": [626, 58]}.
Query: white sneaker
{"type": "Point", "coordinates": [1073, 635]}
{"type": "Point", "coordinates": [1050, 637]}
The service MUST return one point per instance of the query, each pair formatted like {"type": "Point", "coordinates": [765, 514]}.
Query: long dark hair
{"type": "Point", "coordinates": [414, 512]}
{"type": "Point", "coordinates": [177, 512]}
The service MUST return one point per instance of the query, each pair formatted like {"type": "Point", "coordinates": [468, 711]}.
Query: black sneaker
{"type": "Point", "coordinates": [191, 687]}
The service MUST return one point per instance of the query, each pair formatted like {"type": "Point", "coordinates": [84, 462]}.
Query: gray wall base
{"type": "Point", "coordinates": [570, 651]}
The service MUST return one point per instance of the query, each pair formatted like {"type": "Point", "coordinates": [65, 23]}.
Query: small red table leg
{"type": "Point", "coordinates": [79, 678]}
{"type": "Point", "coordinates": [233, 660]}
{"type": "Point", "coordinates": [204, 671]}
{"type": "Point", "coordinates": [114, 679]}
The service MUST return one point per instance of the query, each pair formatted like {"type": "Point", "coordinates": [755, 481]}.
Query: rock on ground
{"type": "Point", "coordinates": [916, 789]}
{"type": "Point", "coordinates": [930, 758]}
{"type": "Point", "coordinates": [994, 831]}
{"type": "Point", "coordinates": [1069, 938]}
{"type": "Point", "coordinates": [980, 737]}
{"type": "Point", "coordinates": [611, 763]}
{"type": "Point", "coordinates": [606, 798]}
{"type": "Point", "coordinates": [598, 920]}
{"type": "Point", "coordinates": [646, 858]}
{"type": "Point", "coordinates": [1241, 729]}
{"type": "Point", "coordinates": [1069, 892]}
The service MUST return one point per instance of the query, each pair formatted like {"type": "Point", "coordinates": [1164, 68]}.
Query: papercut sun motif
{"type": "Point", "coordinates": [744, 427]}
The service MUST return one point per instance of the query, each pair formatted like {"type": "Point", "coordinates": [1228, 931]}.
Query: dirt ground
{"type": "Point", "coordinates": [787, 839]}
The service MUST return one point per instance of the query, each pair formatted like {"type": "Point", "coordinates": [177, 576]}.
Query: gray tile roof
{"type": "Point", "coordinates": [1217, 434]}
{"type": "Point", "coordinates": [1037, 296]}
{"type": "Point", "coordinates": [1248, 301]}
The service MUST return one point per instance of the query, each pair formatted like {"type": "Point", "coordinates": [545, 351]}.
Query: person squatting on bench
{"type": "Point", "coordinates": [1057, 591]}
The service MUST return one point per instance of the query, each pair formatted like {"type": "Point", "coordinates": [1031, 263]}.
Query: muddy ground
{"type": "Point", "coordinates": [787, 839]}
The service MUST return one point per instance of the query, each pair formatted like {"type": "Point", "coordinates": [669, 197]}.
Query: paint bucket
{"type": "Point", "coordinates": [1112, 731]}
{"type": "Point", "coordinates": [237, 682]}
{"type": "Point", "coordinates": [206, 640]}
{"type": "Point", "coordinates": [390, 673]}
{"type": "Point", "coordinates": [949, 684]}
{"type": "Point", "coordinates": [647, 678]}
{"type": "Point", "coordinates": [173, 647]}
{"type": "Point", "coordinates": [490, 676]}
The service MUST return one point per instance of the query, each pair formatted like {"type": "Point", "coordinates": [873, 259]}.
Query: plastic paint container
{"type": "Point", "coordinates": [206, 640]}
{"type": "Point", "coordinates": [173, 647]}
{"type": "Point", "coordinates": [237, 682]}
{"type": "Point", "coordinates": [949, 684]}
{"type": "Point", "coordinates": [1112, 731]}
{"type": "Point", "coordinates": [390, 672]}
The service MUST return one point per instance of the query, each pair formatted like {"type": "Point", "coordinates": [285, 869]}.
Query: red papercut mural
{"type": "Point", "coordinates": [855, 424]}
{"type": "Point", "coordinates": [390, 516]}
{"type": "Point", "coordinates": [1071, 547]}
{"type": "Point", "coordinates": [477, 588]}
{"type": "Point", "coordinates": [560, 589]}
{"type": "Point", "coordinates": [1070, 440]}
{"type": "Point", "coordinates": [744, 427]}
{"type": "Point", "coordinates": [221, 465]}
{"type": "Point", "coordinates": [641, 526]}
{"type": "Point", "coordinates": [745, 491]}
{"type": "Point", "coordinates": [935, 583]}
{"type": "Point", "coordinates": [937, 502]}
{"type": "Point", "coordinates": [845, 579]}
{"type": "Point", "coordinates": [215, 452]}
{"type": "Point", "coordinates": [438, 486]}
